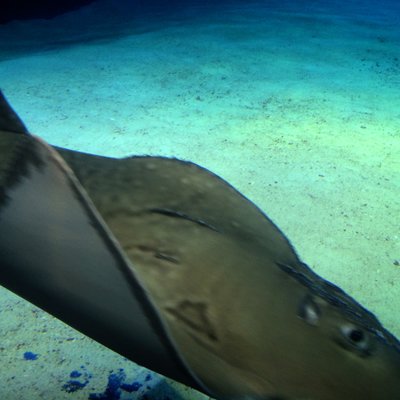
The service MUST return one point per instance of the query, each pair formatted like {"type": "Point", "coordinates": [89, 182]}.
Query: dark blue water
{"type": "Point", "coordinates": [99, 20]}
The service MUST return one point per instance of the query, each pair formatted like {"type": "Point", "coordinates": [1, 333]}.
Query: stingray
{"type": "Point", "coordinates": [166, 263]}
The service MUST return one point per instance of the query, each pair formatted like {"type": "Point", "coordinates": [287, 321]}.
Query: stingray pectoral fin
{"type": "Point", "coordinates": [9, 120]}
{"type": "Point", "coordinates": [58, 254]}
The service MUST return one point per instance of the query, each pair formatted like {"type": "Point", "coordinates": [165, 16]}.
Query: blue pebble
{"type": "Point", "coordinates": [28, 355]}
{"type": "Point", "coordinates": [113, 389]}
{"type": "Point", "coordinates": [75, 374]}
{"type": "Point", "coordinates": [133, 387]}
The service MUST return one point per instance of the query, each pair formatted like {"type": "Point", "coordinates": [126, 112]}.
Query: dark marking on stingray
{"type": "Point", "coordinates": [194, 315]}
{"type": "Point", "coordinates": [167, 257]}
{"type": "Point", "coordinates": [178, 214]}
{"type": "Point", "coordinates": [160, 254]}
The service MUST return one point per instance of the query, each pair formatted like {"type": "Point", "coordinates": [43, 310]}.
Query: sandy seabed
{"type": "Point", "coordinates": [298, 109]}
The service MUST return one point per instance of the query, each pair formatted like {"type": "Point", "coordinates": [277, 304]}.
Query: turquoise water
{"type": "Point", "coordinates": [296, 104]}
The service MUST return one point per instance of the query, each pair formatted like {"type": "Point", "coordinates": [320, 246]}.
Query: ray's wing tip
{"type": "Point", "coordinates": [9, 120]}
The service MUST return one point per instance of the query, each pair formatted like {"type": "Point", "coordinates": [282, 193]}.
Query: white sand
{"type": "Point", "coordinates": [299, 110]}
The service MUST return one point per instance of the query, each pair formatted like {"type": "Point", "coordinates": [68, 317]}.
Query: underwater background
{"type": "Point", "coordinates": [295, 103]}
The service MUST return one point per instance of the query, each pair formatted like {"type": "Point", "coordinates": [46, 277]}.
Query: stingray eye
{"type": "Point", "coordinates": [356, 338]}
